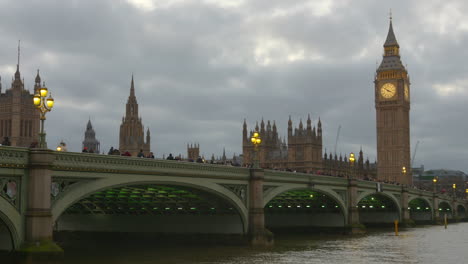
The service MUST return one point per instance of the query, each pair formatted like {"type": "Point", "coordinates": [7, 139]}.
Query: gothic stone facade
{"type": "Point", "coordinates": [302, 152]}
{"type": "Point", "coordinates": [392, 104]}
{"type": "Point", "coordinates": [132, 134]}
{"type": "Point", "coordinates": [19, 118]}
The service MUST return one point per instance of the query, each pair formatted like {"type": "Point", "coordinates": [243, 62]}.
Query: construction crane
{"type": "Point", "coordinates": [337, 136]}
{"type": "Point", "coordinates": [414, 154]}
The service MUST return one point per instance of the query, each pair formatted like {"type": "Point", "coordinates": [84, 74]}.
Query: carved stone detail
{"type": "Point", "coordinates": [10, 188]}
{"type": "Point", "coordinates": [59, 186]}
{"type": "Point", "coordinates": [240, 190]}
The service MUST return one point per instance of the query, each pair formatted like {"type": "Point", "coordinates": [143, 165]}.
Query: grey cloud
{"type": "Point", "coordinates": [197, 77]}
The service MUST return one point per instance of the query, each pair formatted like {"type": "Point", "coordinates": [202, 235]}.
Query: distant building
{"type": "Point", "coordinates": [302, 152]}
{"type": "Point", "coordinates": [193, 152]}
{"type": "Point", "coordinates": [334, 166]}
{"type": "Point", "coordinates": [90, 142]}
{"type": "Point", "coordinates": [19, 118]}
{"type": "Point", "coordinates": [132, 134]}
{"type": "Point", "coordinates": [445, 180]}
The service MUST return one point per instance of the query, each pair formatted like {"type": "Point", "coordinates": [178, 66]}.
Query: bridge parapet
{"type": "Point", "coordinates": [13, 157]}
{"type": "Point", "coordinates": [297, 177]}
{"type": "Point", "coordinates": [68, 161]}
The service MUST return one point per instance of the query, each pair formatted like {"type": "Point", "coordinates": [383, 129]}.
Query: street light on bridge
{"type": "Point", "coordinates": [352, 159]}
{"type": "Point", "coordinates": [454, 187]}
{"type": "Point", "coordinates": [44, 105]}
{"type": "Point", "coordinates": [403, 171]}
{"type": "Point", "coordinates": [434, 181]}
{"type": "Point", "coordinates": [256, 141]}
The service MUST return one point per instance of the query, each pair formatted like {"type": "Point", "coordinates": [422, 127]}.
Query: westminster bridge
{"type": "Point", "coordinates": [44, 190]}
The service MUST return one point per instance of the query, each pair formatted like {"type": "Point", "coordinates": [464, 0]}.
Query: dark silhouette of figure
{"type": "Point", "coordinates": [170, 157]}
{"type": "Point", "coordinates": [6, 142]}
{"type": "Point", "coordinates": [199, 160]}
{"type": "Point", "coordinates": [140, 154]}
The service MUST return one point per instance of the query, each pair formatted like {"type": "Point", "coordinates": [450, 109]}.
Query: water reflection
{"type": "Point", "coordinates": [430, 244]}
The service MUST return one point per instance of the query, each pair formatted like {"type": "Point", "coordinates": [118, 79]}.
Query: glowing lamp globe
{"type": "Point", "coordinates": [43, 91]}
{"type": "Point", "coordinates": [37, 100]}
{"type": "Point", "coordinates": [50, 102]}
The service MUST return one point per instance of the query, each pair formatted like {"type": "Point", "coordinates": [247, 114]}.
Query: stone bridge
{"type": "Point", "coordinates": [43, 190]}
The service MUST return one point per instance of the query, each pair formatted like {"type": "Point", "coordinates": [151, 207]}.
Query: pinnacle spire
{"type": "Point", "coordinates": [132, 88]}
{"type": "Point", "coordinates": [391, 39]}
{"type": "Point", "coordinates": [89, 126]}
{"type": "Point", "coordinates": [38, 78]}
{"type": "Point", "coordinates": [17, 73]}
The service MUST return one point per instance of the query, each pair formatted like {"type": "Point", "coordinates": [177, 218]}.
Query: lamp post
{"type": "Point", "coordinates": [403, 172]}
{"type": "Point", "coordinates": [44, 105]}
{"type": "Point", "coordinates": [454, 187]}
{"type": "Point", "coordinates": [256, 141]}
{"type": "Point", "coordinates": [434, 181]}
{"type": "Point", "coordinates": [352, 159]}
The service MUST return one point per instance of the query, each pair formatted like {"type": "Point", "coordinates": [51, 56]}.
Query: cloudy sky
{"type": "Point", "coordinates": [201, 67]}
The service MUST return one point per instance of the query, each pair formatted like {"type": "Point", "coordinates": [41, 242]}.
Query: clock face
{"type": "Point", "coordinates": [406, 92]}
{"type": "Point", "coordinates": [388, 90]}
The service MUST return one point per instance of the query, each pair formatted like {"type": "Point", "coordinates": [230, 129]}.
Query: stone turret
{"type": "Point", "coordinates": [90, 143]}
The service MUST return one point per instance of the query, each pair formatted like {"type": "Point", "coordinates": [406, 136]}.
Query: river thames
{"type": "Point", "coordinates": [428, 244]}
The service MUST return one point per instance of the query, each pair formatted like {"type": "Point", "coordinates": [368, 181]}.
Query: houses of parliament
{"type": "Point", "coordinates": [301, 151]}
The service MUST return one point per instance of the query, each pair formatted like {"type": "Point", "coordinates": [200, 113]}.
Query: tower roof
{"type": "Point", "coordinates": [89, 126]}
{"type": "Point", "coordinates": [38, 78]}
{"type": "Point", "coordinates": [132, 88]}
{"type": "Point", "coordinates": [391, 39]}
{"type": "Point", "coordinates": [17, 73]}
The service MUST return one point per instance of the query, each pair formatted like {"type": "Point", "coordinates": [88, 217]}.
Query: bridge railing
{"type": "Point", "coordinates": [70, 161]}
{"type": "Point", "coordinates": [13, 157]}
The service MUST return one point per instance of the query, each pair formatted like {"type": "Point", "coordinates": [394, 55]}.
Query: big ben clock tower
{"type": "Point", "coordinates": [392, 105]}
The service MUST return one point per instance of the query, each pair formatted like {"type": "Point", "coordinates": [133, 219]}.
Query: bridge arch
{"type": "Point", "coordinates": [378, 208]}
{"type": "Point", "coordinates": [420, 209]}
{"type": "Point", "coordinates": [86, 189]}
{"type": "Point", "coordinates": [445, 208]}
{"type": "Point", "coordinates": [322, 189]}
{"type": "Point", "coordinates": [385, 194]}
{"type": "Point", "coordinates": [11, 218]}
{"type": "Point", "coordinates": [301, 208]}
{"type": "Point", "coordinates": [461, 211]}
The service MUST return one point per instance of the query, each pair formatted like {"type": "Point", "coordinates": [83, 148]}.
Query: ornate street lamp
{"type": "Point", "coordinates": [454, 187]}
{"type": "Point", "coordinates": [256, 141]}
{"type": "Point", "coordinates": [434, 181]}
{"type": "Point", "coordinates": [403, 171]}
{"type": "Point", "coordinates": [44, 105]}
{"type": "Point", "coordinates": [352, 159]}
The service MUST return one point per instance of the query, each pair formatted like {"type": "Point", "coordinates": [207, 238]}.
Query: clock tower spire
{"type": "Point", "coordinates": [392, 105]}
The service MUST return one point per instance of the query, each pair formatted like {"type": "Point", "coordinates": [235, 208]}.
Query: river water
{"type": "Point", "coordinates": [428, 244]}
